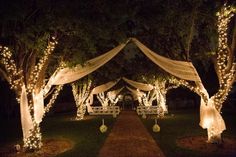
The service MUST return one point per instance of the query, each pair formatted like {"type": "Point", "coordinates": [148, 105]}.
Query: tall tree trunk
{"type": "Point", "coordinates": [81, 109]}
{"type": "Point", "coordinates": [34, 141]}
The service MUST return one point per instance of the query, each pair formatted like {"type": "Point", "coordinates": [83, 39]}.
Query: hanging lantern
{"type": "Point", "coordinates": [103, 127]}
{"type": "Point", "coordinates": [156, 127]}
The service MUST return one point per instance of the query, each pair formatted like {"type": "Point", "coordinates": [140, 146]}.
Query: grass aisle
{"type": "Point", "coordinates": [85, 135]}
{"type": "Point", "coordinates": [185, 123]}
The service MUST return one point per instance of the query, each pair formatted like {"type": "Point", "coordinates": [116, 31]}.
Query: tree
{"type": "Point", "coordinates": [81, 92]}
{"type": "Point", "coordinates": [225, 65]}
{"type": "Point", "coordinates": [27, 80]}
{"type": "Point", "coordinates": [225, 68]}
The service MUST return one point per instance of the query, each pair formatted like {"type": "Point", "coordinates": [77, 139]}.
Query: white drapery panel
{"type": "Point", "coordinates": [68, 75]}
{"type": "Point", "coordinates": [104, 87]}
{"type": "Point", "coordinates": [211, 118]}
{"type": "Point", "coordinates": [180, 69]}
{"type": "Point", "coordinates": [38, 106]}
{"type": "Point", "coordinates": [161, 99]}
{"type": "Point", "coordinates": [100, 89]}
{"type": "Point", "coordinates": [139, 85]}
{"type": "Point", "coordinates": [136, 93]}
{"type": "Point", "coordinates": [26, 120]}
{"type": "Point", "coordinates": [113, 94]}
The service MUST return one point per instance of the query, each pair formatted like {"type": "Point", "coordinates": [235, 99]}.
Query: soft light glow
{"type": "Point", "coordinates": [34, 141]}
{"type": "Point", "coordinates": [16, 78]}
{"type": "Point", "coordinates": [103, 100]}
{"type": "Point", "coordinates": [226, 77]}
{"type": "Point", "coordinates": [53, 99]}
{"type": "Point", "coordinates": [81, 94]}
{"type": "Point", "coordinates": [103, 127]}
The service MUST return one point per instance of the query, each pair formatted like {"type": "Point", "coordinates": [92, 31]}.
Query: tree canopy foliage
{"type": "Point", "coordinates": [181, 29]}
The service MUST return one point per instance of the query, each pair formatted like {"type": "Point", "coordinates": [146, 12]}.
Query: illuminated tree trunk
{"type": "Point", "coordinates": [213, 137]}
{"type": "Point", "coordinates": [27, 80]}
{"type": "Point", "coordinates": [161, 89]}
{"type": "Point", "coordinates": [113, 96]}
{"type": "Point", "coordinates": [34, 141]}
{"type": "Point", "coordinates": [224, 66]}
{"type": "Point", "coordinates": [103, 100]}
{"type": "Point", "coordinates": [81, 94]}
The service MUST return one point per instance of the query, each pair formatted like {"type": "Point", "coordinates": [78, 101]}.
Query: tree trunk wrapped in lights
{"type": "Point", "coordinates": [81, 94]}
{"type": "Point", "coordinates": [225, 68]}
{"type": "Point", "coordinates": [113, 96]}
{"type": "Point", "coordinates": [148, 98]}
{"type": "Point", "coordinates": [103, 100]}
{"type": "Point", "coordinates": [28, 83]}
{"type": "Point", "coordinates": [161, 89]}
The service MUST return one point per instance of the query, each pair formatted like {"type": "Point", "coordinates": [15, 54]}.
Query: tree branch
{"type": "Point", "coordinates": [231, 49]}
{"type": "Point", "coordinates": [179, 40]}
{"type": "Point", "coordinates": [190, 37]}
{"type": "Point", "coordinates": [49, 93]}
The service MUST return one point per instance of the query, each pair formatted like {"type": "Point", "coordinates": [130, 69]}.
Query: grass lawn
{"type": "Point", "coordinates": [88, 140]}
{"type": "Point", "coordinates": [84, 134]}
{"type": "Point", "coordinates": [179, 124]}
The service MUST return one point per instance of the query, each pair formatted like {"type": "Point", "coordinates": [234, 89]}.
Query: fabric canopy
{"type": "Point", "coordinates": [139, 85]}
{"type": "Point", "coordinates": [100, 89]}
{"type": "Point", "coordinates": [180, 69]}
{"type": "Point", "coordinates": [68, 75]}
{"type": "Point", "coordinates": [104, 87]}
{"type": "Point", "coordinates": [209, 116]}
{"type": "Point", "coordinates": [113, 94]}
{"type": "Point", "coordinates": [26, 120]}
{"type": "Point", "coordinates": [135, 93]}
{"type": "Point", "coordinates": [38, 106]}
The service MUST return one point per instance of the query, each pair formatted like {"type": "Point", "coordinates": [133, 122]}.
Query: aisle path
{"type": "Point", "coordinates": [129, 138]}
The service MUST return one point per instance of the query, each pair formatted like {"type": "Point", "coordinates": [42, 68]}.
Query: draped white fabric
{"type": "Point", "coordinates": [104, 87]}
{"type": "Point", "coordinates": [161, 99]}
{"type": "Point", "coordinates": [142, 97]}
{"type": "Point", "coordinates": [136, 93]}
{"type": "Point", "coordinates": [103, 100]}
{"type": "Point", "coordinates": [113, 94]}
{"type": "Point", "coordinates": [68, 75]}
{"type": "Point", "coordinates": [181, 69]}
{"type": "Point", "coordinates": [38, 106]}
{"type": "Point", "coordinates": [89, 108]}
{"type": "Point", "coordinates": [211, 118]}
{"type": "Point", "coordinates": [26, 121]}
{"type": "Point", "coordinates": [100, 89]}
{"type": "Point", "coordinates": [139, 85]}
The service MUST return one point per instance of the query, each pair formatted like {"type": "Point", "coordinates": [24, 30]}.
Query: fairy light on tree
{"type": "Point", "coordinates": [54, 97]}
{"type": "Point", "coordinates": [162, 86]}
{"type": "Point", "coordinates": [113, 96]}
{"type": "Point", "coordinates": [31, 78]}
{"type": "Point", "coordinates": [81, 93]}
{"type": "Point", "coordinates": [103, 99]}
{"type": "Point", "coordinates": [224, 66]}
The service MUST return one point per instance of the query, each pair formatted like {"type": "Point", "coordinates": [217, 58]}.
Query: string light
{"type": "Point", "coordinates": [16, 80]}
{"type": "Point", "coordinates": [226, 77]}
{"type": "Point", "coordinates": [34, 141]}
{"type": "Point", "coordinates": [39, 67]}
{"type": "Point", "coordinates": [15, 76]}
{"type": "Point", "coordinates": [81, 94]}
{"type": "Point", "coordinates": [53, 99]}
{"type": "Point", "coordinates": [103, 100]}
